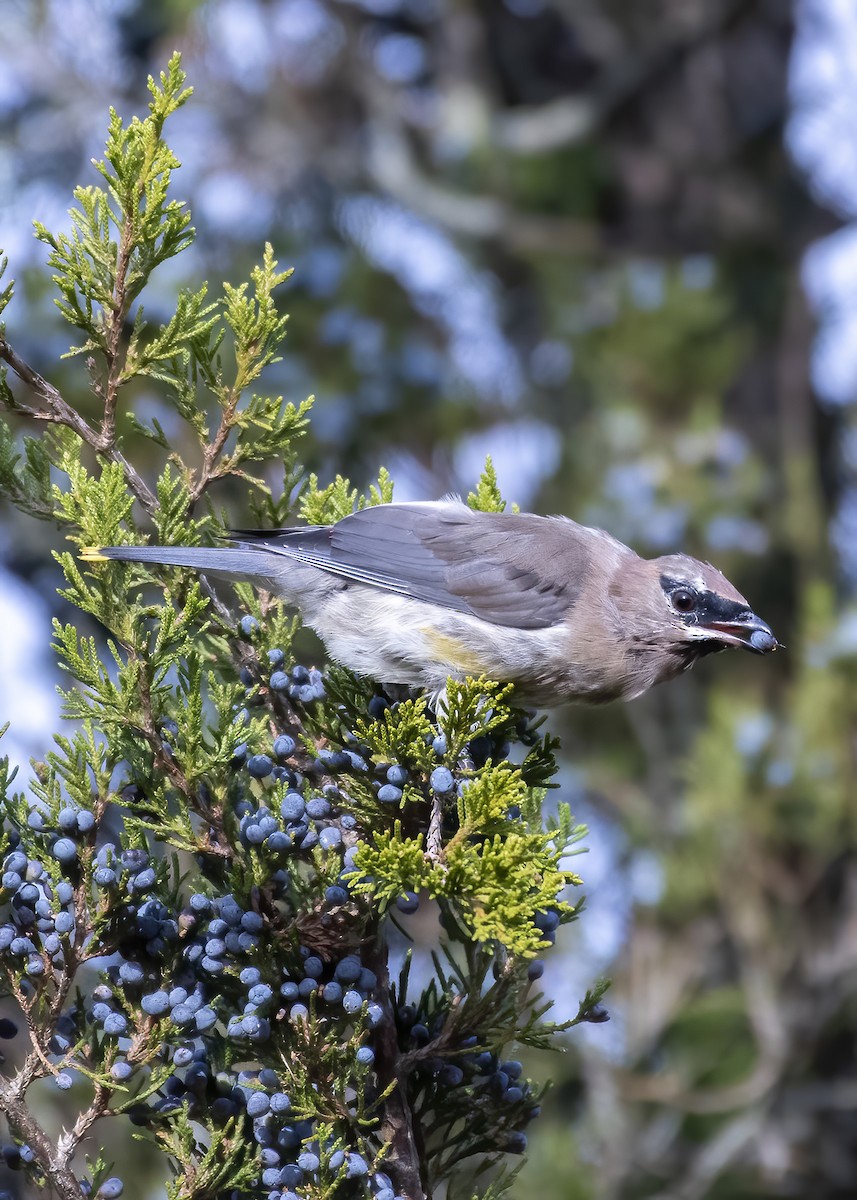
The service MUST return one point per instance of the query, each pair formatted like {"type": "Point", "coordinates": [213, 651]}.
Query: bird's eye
{"type": "Point", "coordinates": [683, 600]}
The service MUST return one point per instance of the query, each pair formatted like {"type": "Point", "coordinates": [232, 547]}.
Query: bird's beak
{"type": "Point", "coordinates": [747, 631]}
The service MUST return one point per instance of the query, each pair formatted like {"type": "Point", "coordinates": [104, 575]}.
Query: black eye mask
{"type": "Point", "coordinates": [730, 621]}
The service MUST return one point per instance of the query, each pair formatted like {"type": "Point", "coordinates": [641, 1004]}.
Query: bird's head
{"type": "Point", "coordinates": [700, 609]}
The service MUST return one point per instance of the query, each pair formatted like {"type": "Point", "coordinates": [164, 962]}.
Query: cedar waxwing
{"type": "Point", "coordinates": [415, 593]}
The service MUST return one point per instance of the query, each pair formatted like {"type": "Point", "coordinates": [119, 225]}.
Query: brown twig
{"type": "Point", "coordinates": [397, 1122]}
{"type": "Point", "coordinates": [58, 411]}
{"type": "Point", "coordinates": [115, 325]}
{"type": "Point", "coordinates": [167, 765]}
{"type": "Point", "coordinates": [52, 1161]}
{"type": "Point", "coordinates": [28, 1129]}
{"type": "Point", "coordinates": [211, 452]}
{"type": "Point", "coordinates": [68, 1142]}
{"type": "Point", "coordinates": [434, 833]}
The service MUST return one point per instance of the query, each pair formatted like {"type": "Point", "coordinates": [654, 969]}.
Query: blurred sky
{"type": "Point", "coordinates": [822, 137]}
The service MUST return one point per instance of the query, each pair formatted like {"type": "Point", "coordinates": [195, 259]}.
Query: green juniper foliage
{"type": "Point", "coordinates": [227, 835]}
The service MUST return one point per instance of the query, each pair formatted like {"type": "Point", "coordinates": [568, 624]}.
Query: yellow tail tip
{"type": "Point", "coordinates": [92, 554]}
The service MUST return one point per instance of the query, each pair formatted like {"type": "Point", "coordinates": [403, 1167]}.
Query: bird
{"type": "Point", "coordinates": [417, 593]}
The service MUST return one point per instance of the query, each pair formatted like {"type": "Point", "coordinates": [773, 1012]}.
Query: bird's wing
{"type": "Point", "coordinates": [516, 570]}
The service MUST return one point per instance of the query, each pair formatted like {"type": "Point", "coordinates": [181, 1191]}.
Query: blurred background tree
{"type": "Point", "coordinates": [586, 238]}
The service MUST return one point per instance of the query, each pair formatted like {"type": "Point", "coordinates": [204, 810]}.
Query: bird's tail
{"type": "Point", "coordinates": [239, 561]}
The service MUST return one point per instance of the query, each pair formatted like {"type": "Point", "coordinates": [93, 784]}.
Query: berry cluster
{"type": "Point", "coordinates": [249, 995]}
{"type": "Point", "coordinates": [40, 916]}
{"type": "Point", "coordinates": [191, 975]}
{"type": "Point", "coordinates": [473, 1083]}
{"type": "Point", "coordinates": [302, 684]}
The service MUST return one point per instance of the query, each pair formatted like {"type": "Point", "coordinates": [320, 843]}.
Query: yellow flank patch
{"type": "Point", "coordinates": [93, 554]}
{"type": "Point", "coordinates": [449, 650]}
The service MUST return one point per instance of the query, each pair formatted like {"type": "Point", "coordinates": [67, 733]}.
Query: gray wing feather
{"type": "Point", "coordinates": [516, 570]}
